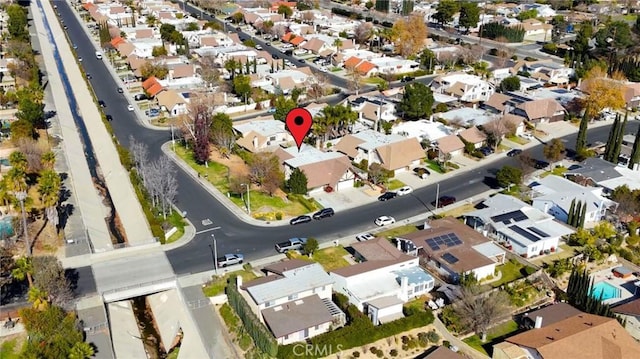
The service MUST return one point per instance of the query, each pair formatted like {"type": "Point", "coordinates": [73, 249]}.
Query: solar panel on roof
{"type": "Point", "coordinates": [521, 231]}
{"type": "Point", "coordinates": [450, 258]}
{"type": "Point", "coordinates": [506, 218]}
{"type": "Point", "coordinates": [538, 232]}
{"type": "Point", "coordinates": [433, 245]}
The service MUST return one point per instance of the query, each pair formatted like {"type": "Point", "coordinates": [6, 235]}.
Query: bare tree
{"type": "Point", "coordinates": [497, 129]}
{"type": "Point", "coordinates": [163, 185]}
{"type": "Point", "coordinates": [33, 151]}
{"type": "Point", "coordinates": [479, 310]}
{"type": "Point", "coordinates": [236, 184]}
{"type": "Point", "coordinates": [278, 30]}
{"type": "Point", "coordinates": [363, 32]}
{"type": "Point", "coordinates": [526, 162]}
{"type": "Point", "coordinates": [208, 71]}
{"type": "Point", "coordinates": [355, 80]}
{"type": "Point", "coordinates": [49, 276]}
{"type": "Point", "coordinates": [264, 170]}
{"type": "Point", "coordinates": [140, 154]}
{"type": "Point", "coordinates": [317, 88]}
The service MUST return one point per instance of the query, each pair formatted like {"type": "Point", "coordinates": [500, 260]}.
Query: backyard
{"type": "Point", "coordinates": [263, 206]}
{"type": "Point", "coordinates": [510, 271]}
{"type": "Point", "coordinates": [495, 335]}
{"type": "Point", "coordinates": [398, 231]}
{"type": "Point", "coordinates": [329, 258]}
{"type": "Point", "coordinates": [217, 285]}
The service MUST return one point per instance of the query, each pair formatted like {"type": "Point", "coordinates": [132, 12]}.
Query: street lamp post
{"type": "Point", "coordinates": [22, 196]}
{"type": "Point", "coordinates": [215, 254]}
{"type": "Point", "coordinates": [248, 197]}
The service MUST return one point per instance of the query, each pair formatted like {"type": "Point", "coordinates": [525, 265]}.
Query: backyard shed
{"type": "Point", "coordinates": [622, 272]}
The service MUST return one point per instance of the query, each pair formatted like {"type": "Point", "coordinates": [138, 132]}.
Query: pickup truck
{"type": "Point", "coordinates": [291, 245]}
{"type": "Point", "coordinates": [229, 259]}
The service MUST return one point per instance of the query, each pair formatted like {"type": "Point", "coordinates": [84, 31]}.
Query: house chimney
{"type": "Point", "coordinates": [239, 282]}
{"type": "Point", "coordinates": [539, 323]}
{"type": "Point", "coordinates": [404, 287]}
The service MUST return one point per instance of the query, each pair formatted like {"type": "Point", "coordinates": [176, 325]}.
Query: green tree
{"type": "Point", "coordinates": [282, 105]}
{"type": "Point", "coordinates": [221, 133]}
{"type": "Point", "coordinates": [613, 132]}
{"type": "Point", "coordinates": [617, 145]}
{"type": "Point", "coordinates": [445, 11]}
{"type": "Point", "coordinates": [554, 150]}
{"type": "Point", "coordinates": [237, 17]}
{"type": "Point", "coordinates": [310, 247]}
{"type": "Point", "coordinates": [583, 215]}
{"type": "Point", "coordinates": [576, 218]}
{"type": "Point", "coordinates": [81, 350]}
{"type": "Point", "coordinates": [528, 14]}
{"type": "Point", "coordinates": [158, 51]}
{"type": "Point", "coordinates": [192, 26]}
{"type": "Point", "coordinates": [509, 175]}
{"type": "Point", "coordinates": [24, 270]}
{"type": "Point", "coordinates": [17, 22]}
{"type": "Point", "coordinates": [469, 15]}
{"type": "Point", "coordinates": [232, 66]}
{"type": "Point", "coordinates": [581, 43]}
{"type": "Point", "coordinates": [38, 298]}
{"type": "Point", "coordinates": [511, 83]}
{"type": "Point", "coordinates": [417, 101]}
{"type": "Point", "coordinates": [48, 160]}
{"type": "Point", "coordinates": [18, 160]}
{"type": "Point", "coordinates": [581, 140]}
{"type": "Point", "coordinates": [427, 60]}
{"type": "Point", "coordinates": [297, 183]}
{"type": "Point", "coordinates": [604, 230]}
{"type": "Point", "coordinates": [52, 332]}
{"type": "Point", "coordinates": [167, 31]}
{"type": "Point", "coordinates": [616, 34]}
{"type": "Point", "coordinates": [285, 11]}
{"type": "Point", "coordinates": [242, 87]}
{"type": "Point", "coordinates": [22, 129]}
{"type": "Point", "coordinates": [369, 5]}
{"type": "Point", "coordinates": [49, 186]}
{"type": "Point", "coordinates": [333, 120]}
{"type": "Point", "coordinates": [31, 111]}
{"type": "Point", "coordinates": [571, 214]}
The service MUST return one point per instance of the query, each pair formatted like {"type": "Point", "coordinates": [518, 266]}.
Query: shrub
{"type": "Point", "coordinates": [244, 342]}
{"type": "Point", "coordinates": [446, 343]}
{"type": "Point", "coordinates": [393, 353]}
{"type": "Point", "coordinates": [433, 336]}
{"type": "Point", "coordinates": [278, 215]}
{"type": "Point", "coordinates": [356, 354]}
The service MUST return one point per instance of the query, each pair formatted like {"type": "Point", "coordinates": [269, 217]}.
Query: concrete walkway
{"type": "Point", "coordinates": [116, 177]}
{"type": "Point", "coordinates": [127, 341]}
{"type": "Point", "coordinates": [90, 206]}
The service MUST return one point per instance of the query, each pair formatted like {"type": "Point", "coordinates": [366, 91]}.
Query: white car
{"type": "Point", "coordinates": [527, 136]}
{"type": "Point", "coordinates": [384, 220]}
{"type": "Point", "coordinates": [365, 237]}
{"type": "Point", "coordinates": [258, 47]}
{"type": "Point", "coordinates": [130, 108]}
{"type": "Point", "coordinates": [404, 190]}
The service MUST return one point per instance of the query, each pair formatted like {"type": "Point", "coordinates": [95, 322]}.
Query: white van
{"type": "Point", "coordinates": [98, 55]}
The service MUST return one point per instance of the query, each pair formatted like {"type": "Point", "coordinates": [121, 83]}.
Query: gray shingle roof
{"type": "Point", "coordinates": [293, 281]}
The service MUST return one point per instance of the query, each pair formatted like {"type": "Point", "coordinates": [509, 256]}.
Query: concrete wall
{"type": "Point", "coordinates": [124, 331]}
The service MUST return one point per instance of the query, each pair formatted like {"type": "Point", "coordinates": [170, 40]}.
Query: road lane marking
{"type": "Point", "coordinates": [208, 230]}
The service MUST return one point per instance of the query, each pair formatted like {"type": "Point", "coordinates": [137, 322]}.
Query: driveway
{"type": "Point", "coordinates": [346, 198]}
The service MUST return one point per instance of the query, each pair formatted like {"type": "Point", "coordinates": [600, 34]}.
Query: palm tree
{"type": "Point", "coordinates": [151, 20]}
{"type": "Point", "coordinates": [16, 180]}
{"type": "Point", "coordinates": [337, 43]}
{"type": "Point", "coordinates": [49, 184]}
{"type": "Point", "coordinates": [48, 160]}
{"type": "Point", "coordinates": [18, 160]}
{"type": "Point", "coordinates": [232, 65]}
{"type": "Point", "coordinates": [81, 350]}
{"type": "Point", "coordinates": [5, 194]}
{"type": "Point", "coordinates": [39, 298]}
{"type": "Point", "coordinates": [23, 269]}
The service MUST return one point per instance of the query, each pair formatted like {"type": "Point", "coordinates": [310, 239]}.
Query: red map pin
{"type": "Point", "coordinates": [299, 122]}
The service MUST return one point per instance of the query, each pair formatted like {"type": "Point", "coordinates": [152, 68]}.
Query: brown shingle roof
{"type": "Point", "coordinates": [326, 172]}
{"type": "Point", "coordinates": [182, 71]}
{"type": "Point", "coordinates": [451, 143]}
{"type": "Point", "coordinates": [378, 253]}
{"type": "Point", "coordinates": [286, 265]}
{"type": "Point", "coordinates": [126, 49]}
{"type": "Point", "coordinates": [497, 101]}
{"type": "Point", "coordinates": [543, 108]}
{"type": "Point", "coordinates": [400, 154]}
{"type": "Point", "coordinates": [554, 313]}
{"type": "Point", "coordinates": [286, 83]}
{"type": "Point", "coordinates": [297, 315]}
{"type": "Point", "coordinates": [473, 135]}
{"type": "Point", "coordinates": [348, 145]}
{"type": "Point", "coordinates": [629, 308]}
{"type": "Point", "coordinates": [444, 353]}
{"type": "Point", "coordinates": [208, 41]}
{"type": "Point", "coordinates": [144, 33]}
{"type": "Point", "coordinates": [169, 99]}
{"type": "Point", "coordinates": [584, 336]}
{"type": "Point", "coordinates": [314, 45]}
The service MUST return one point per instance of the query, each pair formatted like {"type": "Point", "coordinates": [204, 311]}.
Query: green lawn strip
{"type": "Point", "coordinates": [398, 231]}
{"type": "Point", "coordinates": [433, 165]}
{"type": "Point", "coordinates": [394, 184]}
{"type": "Point", "coordinates": [498, 331]}
{"type": "Point", "coordinates": [218, 174]}
{"type": "Point", "coordinates": [518, 140]}
{"type": "Point", "coordinates": [8, 350]}
{"type": "Point", "coordinates": [510, 272]}
{"type": "Point", "coordinates": [329, 258]}
{"type": "Point", "coordinates": [217, 285]}
{"type": "Point", "coordinates": [177, 221]}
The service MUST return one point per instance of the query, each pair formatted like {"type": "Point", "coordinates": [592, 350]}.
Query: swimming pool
{"type": "Point", "coordinates": [6, 227]}
{"type": "Point", "coordinates": [606, 290]}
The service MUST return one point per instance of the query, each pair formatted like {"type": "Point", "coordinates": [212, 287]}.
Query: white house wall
{"type": "Point", "coordinates": [324, 292]}
{"type": "Point", "coordinates": [299, 336]}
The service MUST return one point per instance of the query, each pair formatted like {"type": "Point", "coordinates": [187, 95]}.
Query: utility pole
{"type": "Point", "coordinates": [215, 254]}
{"type": "Point", "coordinates": [248, 197]}
{"type": "Point", "coordinates": [437, 194]}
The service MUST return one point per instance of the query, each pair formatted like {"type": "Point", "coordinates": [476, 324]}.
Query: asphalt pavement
{"type": "Point", "coordinates": [234, 234]}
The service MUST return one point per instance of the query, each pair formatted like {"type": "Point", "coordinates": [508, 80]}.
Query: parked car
{"type": "Point", "coordinates": [140, 97]}
{"type": "Point", "coordinates": [444, 201]}
{"type": "Point", "coordinates": [89, 76]}
{"type": "Point", "coordinates": [421, 172]}
{"type": "Point", "coordinates": [365, 237]}
{"type": "Point", "coordinates": [120, 90]}
{"type": "Point", "coordinates": [130, 108]}
{"type": "Point", "coordinates": [275, 57]}
{"type": "Point", "coordinates": [384, 220]}
{"type": "Point", "coordinates": [102, 104]}
{"type": "Point", "coordinates": [387, 196]}
{"type": "Point", "coordinates": [291, 244]}
{"type": "Point", "coordinates": [514, 152]}
{"type": "Point", "coordinates": [271, 110]}
{"type": "Point", "coordinates": [300, 219]}
{"type": "Point", "coordinates": [404, 190]}
{"type": "Point", "coordinates": [301, 61]}
{"type": "Point", "coordinates": [539, 164]}
{"type": "Point", "coordinates": [486, 151]}
{"type": "Point", "coordinates": [407, 79]}
{"type": "Point", "coordinates": [229, 259]}
{"type": "Point", "coordinates": [527, 136]}
{"type": "Point", "coordinates": [258, 47]}
{"type": "Point", "coordinates": [109, 118]}
{"type": "Point", "coordinates": [324, 213]}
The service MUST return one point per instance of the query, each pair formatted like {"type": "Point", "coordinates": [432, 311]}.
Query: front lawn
{"type": "Point", "coordinates": [263, 206]}
{"type": "Point", "coordinates": [495, 335]}
{"type": "Point", "coordinates": [434, 166]}
{"type": "Point", "coordinates": [556, 171]}
{"type": "Point", "coordinates": [10, 349]}
{"type": "Point", "coordinates": [517, 139]}
{"type": "Point", "coordinates": [394, 184]}
{"type": "Point", "coordinates": [398, 231]}
{"type": "Point", "coordinates": [217, 285]}
{"type": "Point", "coordinates": [329, 258]}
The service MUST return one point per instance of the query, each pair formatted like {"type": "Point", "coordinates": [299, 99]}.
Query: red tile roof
{"type": "Point", "coordinates": [365, 67]}
{"type": "Point", "coordinates": [152, 86]}
{"type": "Point", "coordinates": [352, 62]}
{"type": "Point", "coordinates": [117, 41]}
{"type": "Point", "coordinates": [297, 40]}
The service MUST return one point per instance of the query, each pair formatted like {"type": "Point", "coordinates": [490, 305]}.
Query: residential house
{"type": "Point", "coordinates": [547, 315]}
{"type": "Point", "coordinates": [364, 67]}
{"type": "Point", "coordinates": [450, 145]}
{"type": "Point", "coordinates": [595, 171]}
{"type": "Point", "coordinates": [373, 109]}
{"type": "Point", "coordinates": [550, 72]}
{"type": "Point", "coordinates": [473, 136]}
{"type": "Point", "coordinates": [585, 336]}
{"type": "Point", "coordinates": [293, 300]}
{"type": "Point", "coordinates": [383, 281]}
{"type": "Point", "coordinates": [629, 312]}
{"type": "Point", "coordinates": [152, 86]}
{"type": "Point", "coordinates": [467, 116]}
{"type": "Point", "coordinates": [465, 87]}
{"type": "Point", "coordinates": [422, 130]}
{"type": "Point", "coordinates": [508, 124]}
{"type": "Point", "coordinates": [322, 169]}
{"type": "Point", "coordinates": [442, 352]}
{"type": "Point", "coordinates": [262, 135]}
{"type": "Point", "coordinates": [541, 111]}
{"type": "Point", "coordinates": [535, 30]}
{"type": "Point", "coordinates": [392, 152]}
{"type": "Point", "coordinates": [453, 249]}
{"type": "Point", "coordinates": [526, 230]}
{"type": "Point", "coordinates": [173, 102]}
{"type": "Point", "coordinates": [498, 103]}
{"type": "Point", "coordinates": [632, 94]}
{"type": "Point", "coordinates": [543, 10]}
{"type": "Point", "coordinates": [554, 195]}
{"type": "Point", "coordinates": [394, 65]}
{"type": "Point", "coordinates": [293, 39]}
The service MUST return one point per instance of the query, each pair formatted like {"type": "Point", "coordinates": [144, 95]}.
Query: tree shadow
{"type": "Point", "coordinates": [72, 276]}
{"type": "Point", "coordinates": [64, 212]}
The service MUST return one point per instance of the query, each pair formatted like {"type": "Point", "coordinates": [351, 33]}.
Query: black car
{"type": "Point", "coordinates": [102, 104]}
{"type": "Point", "coordinates": [120, 90]}
{"type": "Point", "coordinates": [407, 79]}
{"type": "Point", "coordinates": [275, 57]}
{"type": "Point", "coordinates": [301, 61]}
{"type": "Point", "coordinates": [514, 152]}
{"type": "Point", "coordinates": [140, 97]}
{"type": "Point", "coordinates": [109, 118]}
{"type": "Point", "coordinates": [324, 213]}
{"type": "Point", "coordinates": [89, 76]}
{"type": "Point", "coordinates": [486, 150]}
{"type": "Point", "coordinates": [444, 201]}
{"type": "Point", "coordinates": [541, 164]}
{"type": "Point", "coordinates": [387, 196]}
{"type": "Point", "coordinates": [300, 219]}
